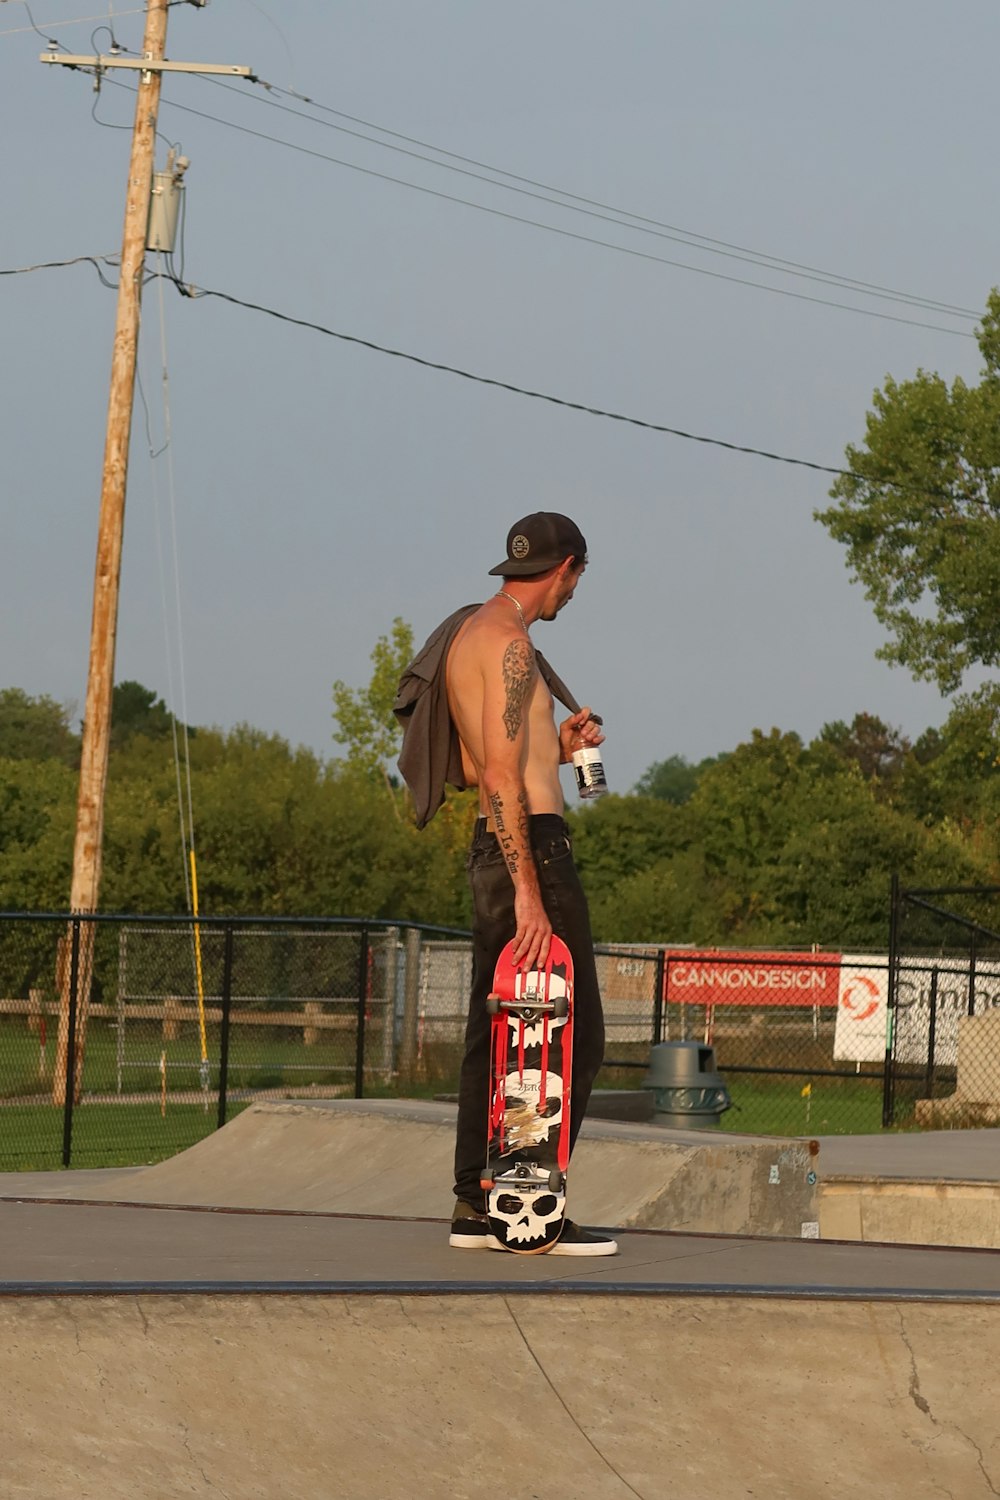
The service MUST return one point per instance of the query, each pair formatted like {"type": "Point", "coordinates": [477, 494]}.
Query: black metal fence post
{"type": "Point", "coordinates": [661, 984]}
{"type": "Point", "coordinates": [359, 1060]}
{"type": "Point", "coordinates": [70, 1081]}
{"type": "Point", "coordinates": [227, 1004]}
{"type": "Point", "coordinates": [888, 1100]}
{"type": "Point", "coordinates": [931, 1035]}
{"type": "Point", "coordinates": [973, 950]}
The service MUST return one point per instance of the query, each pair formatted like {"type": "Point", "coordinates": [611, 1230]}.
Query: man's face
{"type": "Point", "coordinates": [564, 584]}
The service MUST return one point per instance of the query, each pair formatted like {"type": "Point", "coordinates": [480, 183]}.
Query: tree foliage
{"type": "Point", "coordinates": [364, 717]}
{"type": "Point", "coordinates": [779, 841]}
{"type": "Point", "coordinates": [137, 710]}
{"type": "Point", "coordinates": [878, 751]}
{"type": "Point", "coordinates": [919, 515]}
{"type": "Point", "coordinates": [672, 780]}
{"type": "Point", "coordinates": [36, 729]}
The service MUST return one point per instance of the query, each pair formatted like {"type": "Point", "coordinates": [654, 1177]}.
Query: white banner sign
{"type": "Point", "coordinates": [941, 984]}
{"type": "Point", "coordinates": [861, 1008]}
{"type": "Point", "coordinates": [918, 980]}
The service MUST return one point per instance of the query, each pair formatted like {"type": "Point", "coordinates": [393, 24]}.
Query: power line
{"type": "Point", "coordinates": [565, 233]}
{"type": "Point", "coordinates": [50, 265]}
{"type": "Point", "coordinates": [865, 312]}
{"type": "Point", "coordinates": [594, 208]}
{"type": "Point", "coordinates": [195, 293]}
{"type": "Point", "coordinates": [74, 21]}
{"type": "Point", "coordinates": [578, 203]}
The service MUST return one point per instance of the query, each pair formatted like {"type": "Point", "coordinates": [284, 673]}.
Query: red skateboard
{"type": "Point", "coordinates": [531, 1065]}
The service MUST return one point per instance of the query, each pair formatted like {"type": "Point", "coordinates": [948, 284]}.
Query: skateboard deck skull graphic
{"type": "Point", "coordinates": [531, 1063]}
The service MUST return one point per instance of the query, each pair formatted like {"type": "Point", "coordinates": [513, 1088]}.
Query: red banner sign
{"type": "Point", "coordinates": [711, 977]}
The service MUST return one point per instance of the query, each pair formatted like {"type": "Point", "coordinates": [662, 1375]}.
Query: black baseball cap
{"type": "Point", "coordinates": [539, 542]}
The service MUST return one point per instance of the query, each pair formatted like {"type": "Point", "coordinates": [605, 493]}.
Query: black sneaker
{"type": "Point", "coordinates": [577, 1241]}
{"type": "Point", "coordinates": [469, 1228]}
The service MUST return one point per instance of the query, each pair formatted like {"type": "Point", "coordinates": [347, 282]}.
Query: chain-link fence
{"type": "Point", "coordinates": [126, 1039]}
{"type": "Point", "coordinates": [782, 1025]}
{"type": "Point", "coordinates": [943, 1051]}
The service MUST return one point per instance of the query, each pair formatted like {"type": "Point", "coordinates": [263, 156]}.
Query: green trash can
{"type": "Point", "coordinates": [688, 1093]}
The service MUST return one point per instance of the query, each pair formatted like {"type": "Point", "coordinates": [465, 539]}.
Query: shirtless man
{"type": "Point", "coordinates": [524, 883]}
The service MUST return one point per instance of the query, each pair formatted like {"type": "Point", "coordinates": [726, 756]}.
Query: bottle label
{"type": "Point", "coordinates": [589, 769]}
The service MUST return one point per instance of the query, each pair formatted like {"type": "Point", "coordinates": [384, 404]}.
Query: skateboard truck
{"type": "Point", "coordinates": [524, 1178]}
{"type": "Point", "coordinates": [527, 1007]}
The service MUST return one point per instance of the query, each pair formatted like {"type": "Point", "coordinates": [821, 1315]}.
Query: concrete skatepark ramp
{"type": "Point", "coordinates": [276, 1312]}
{"type": "Point", "coordinates": [395, 1157]}
{"type": "Point", "coordinates": [531, 1398]}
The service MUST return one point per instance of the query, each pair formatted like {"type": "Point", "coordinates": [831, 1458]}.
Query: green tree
{"type": "Point", "coordinates": [673, 779]}
{"type": "Point", "coordinates": [622, 836]}
{"type": "Point", "coordinates": [37, 818]}
{"type": "Point", "coordinates": [951, 776]}
{"type": "Point", "coordinates": [36, 729]}
{"type": "Point", "coordinates": [364, 717]}
{"type": "Point", "coordinates": [919, 515]}
{"type": "Point", "coordinates": [879, 752]}
{"type": "Point", "coordinates": [801, 849]}
{"type": "Point", "coordinates": [137, 710]}
{"type": "Point", "coordinates": [675, 900]}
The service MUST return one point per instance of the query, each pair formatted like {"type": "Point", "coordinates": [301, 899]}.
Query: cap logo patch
{"type": "Point", "coordinates": [520, 547]}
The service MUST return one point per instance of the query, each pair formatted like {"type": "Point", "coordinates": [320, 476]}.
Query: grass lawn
{"type": "Point", "coordinates": [258, 1058]}
{"type": "Point", "coordinates": [128, 1129]}
{"type": "Point", "coordinates": [775, 1106]}
{"type": "Point", "coordinates": [124, 1127]}
{"type": "Point", "coordinates": [104, 1135]}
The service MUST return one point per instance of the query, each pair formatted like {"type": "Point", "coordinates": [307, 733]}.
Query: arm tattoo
{"type": "Point", "coordinates": [518, 672]}
{"type": "Point", "coordinates": [496, 807]}
{"type": "Point", "coordinates": [523, 822]}
{"type": "Point", "coordinates": [504, 837]}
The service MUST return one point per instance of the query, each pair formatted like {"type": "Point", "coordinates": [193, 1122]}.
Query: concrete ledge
{"type": "Point", "coordinates": [907, 1212]}
{"type": "Point", "coordinates": [395, 1157]}
{"type": "Point", "coordinates": [957, 1112]}
{"type": "Point", "coordinates": [621, 1104]}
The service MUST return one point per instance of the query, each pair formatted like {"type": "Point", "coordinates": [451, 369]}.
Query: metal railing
{"type": "Point", "coordinates": [124, 1039]}
{"type": "Point", "coordinates": [942, 1050]}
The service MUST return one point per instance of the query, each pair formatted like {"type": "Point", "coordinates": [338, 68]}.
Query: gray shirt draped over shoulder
{"type": "Point", "coordinates": [431, 757]}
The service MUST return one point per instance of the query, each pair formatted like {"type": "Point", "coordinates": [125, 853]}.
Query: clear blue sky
{"type": "Point", "coordinates": [320, 489]}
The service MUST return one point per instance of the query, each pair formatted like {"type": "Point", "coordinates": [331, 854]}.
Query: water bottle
{"type": "Point", "coordinates": [588, 767]}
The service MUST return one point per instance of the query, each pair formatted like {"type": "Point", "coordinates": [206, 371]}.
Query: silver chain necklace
{"type": "Point", "coordinates": [501, 594]}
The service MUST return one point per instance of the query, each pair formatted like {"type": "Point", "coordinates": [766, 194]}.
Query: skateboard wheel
{"type": "Point", "coordinates": [486, 1183]}
{"type": "Point", "coordinates": [556, 1181]}
{"type": "Point", "coordinates": [492, 1005]}
{"type": "Point", "coordinates": [560, 1006]}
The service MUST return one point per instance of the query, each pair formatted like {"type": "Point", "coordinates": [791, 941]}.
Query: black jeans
{"type": "Point", "coordinates": [493, 926]}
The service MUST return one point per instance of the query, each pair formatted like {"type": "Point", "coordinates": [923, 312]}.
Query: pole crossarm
{"type": "Point", "coordinates": [142, 64]}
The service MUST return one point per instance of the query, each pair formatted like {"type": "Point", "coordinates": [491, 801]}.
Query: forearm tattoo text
{"type": "Point", "coordinates": [505, 838]}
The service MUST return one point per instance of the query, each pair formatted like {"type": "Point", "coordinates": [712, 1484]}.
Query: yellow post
{"type": "Point", "coordinates": [197, 961]}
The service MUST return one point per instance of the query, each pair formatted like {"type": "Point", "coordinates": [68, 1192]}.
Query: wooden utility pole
{"type": "Point", "coordinates": [86, 878]}
{"type": "Point", "coordinates": [101, 670]}
{"type": "Point", "coordinates": [87, 848]}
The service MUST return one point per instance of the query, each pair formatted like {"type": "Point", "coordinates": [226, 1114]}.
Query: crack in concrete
{"type": "Point", "coordinates": [562, 1402]}
{"type": "Point", "coordinates": [142, 1317]}
{"type": "Point", "coordinates": [82, 1350]}
{"type": "Point", "coordinates": [196, 1464]}
{"type": "Point", "coordinates": [923, 1405]}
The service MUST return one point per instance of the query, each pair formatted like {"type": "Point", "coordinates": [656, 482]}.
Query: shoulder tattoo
{"type": "Point", "coordinates": [518, 674]}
